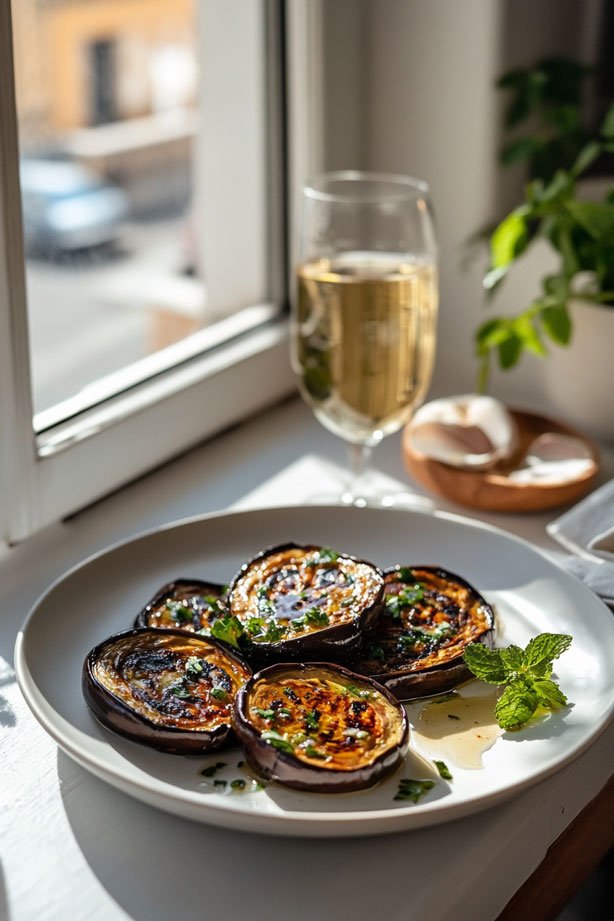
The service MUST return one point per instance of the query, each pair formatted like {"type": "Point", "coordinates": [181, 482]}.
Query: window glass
{"type": "Point", "coordinates": [110, 112]}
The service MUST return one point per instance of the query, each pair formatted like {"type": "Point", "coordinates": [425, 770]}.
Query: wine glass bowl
{"type": "Point", "coordinates": [364, 318]}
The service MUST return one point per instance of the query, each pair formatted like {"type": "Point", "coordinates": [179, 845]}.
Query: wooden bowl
{"type": "Point", "coordinates": [492, 489]}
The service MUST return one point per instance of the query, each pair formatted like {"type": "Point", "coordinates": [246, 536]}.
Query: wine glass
{"type": "Point", "coordinates": [365, 312]}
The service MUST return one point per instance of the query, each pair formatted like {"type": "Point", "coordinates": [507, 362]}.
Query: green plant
{"type": "Point", "coordinates": [558, 152]}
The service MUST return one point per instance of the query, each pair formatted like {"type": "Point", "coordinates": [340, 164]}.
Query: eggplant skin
{"type": "Point", "coordinates": [422, 672]}
{"type": "Point", "coordinates": [122, 676]}
{"type": "Point", "coordinates": [190, 605]}
{"type": "Point", "coordinates": [283, 585]}
{"type": "Point", "coordinates": [352, 699]}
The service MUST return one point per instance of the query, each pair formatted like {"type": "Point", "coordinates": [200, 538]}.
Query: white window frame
{"type": "Point", "coordinates": [49, 474]}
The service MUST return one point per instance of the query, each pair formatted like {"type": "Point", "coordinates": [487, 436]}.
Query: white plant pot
{"type": "Point", "coordinates": [579, 379]}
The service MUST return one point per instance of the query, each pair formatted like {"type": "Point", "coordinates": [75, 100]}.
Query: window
{"type": "Point", "coordinates": [82, 410]}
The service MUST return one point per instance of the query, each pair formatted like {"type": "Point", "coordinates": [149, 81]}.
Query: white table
{"type": "Point", "coordinates": [72, 847]}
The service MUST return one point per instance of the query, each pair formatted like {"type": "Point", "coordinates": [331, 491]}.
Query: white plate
{"type": "Point", "coordinates": [103, 595]}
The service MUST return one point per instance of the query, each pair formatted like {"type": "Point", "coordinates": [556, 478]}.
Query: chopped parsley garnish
{"type": "Point", "coordinates": [413, 789]}
{"type": "Point", "coordinates": [312, 752]}
{"type": "Point", "coordinates": [220, 783]}
{"type": "Point", "coordinates": [265, 606]}
{"type": "Point", "coordinates": [180, 691]}
{"type": "Point", "coordinates": [419, 635]}
{"type": "Point", "coordinates": [406, 598]}
{"type": "Point", "coordinates": [262, 592]}
{"type": "Point", "coordinates": [376, 652]}
{"type": "Point", "coordinates": [179, 612]}
{"type": "Point", "coordinates": [228, 629]}
{"type": "Point", "coordinates": [277, 741]}
{"type": "Point", "coordinates": [265, 714]}
{"type": "Point", "coordinates": [212, 602]}
{"type": "Point", "coordinates": [324, 555]}
{"type": "Point", "coordinates": [444, 770]}
{"type": "Point", "coordinates": [238, 784]}
{"type": "Point", "coordinates": [354, 691]}
{"type": "Point", "coordinates": [254, 625]}
{"type": "Point", "coordinates": [212, 769]}
{"type": "Point", "coordinates": [314, 617]}
{"type": "Point", "coordinates": [525, 673]}
{"type": "Point", "coordinates": [405, 574]}
{"type": "Point", "coordinates": [219, 693]}
{"type": "Point", "coordinates": [312, 718]}
{"type": "Point", "coordinates": [272, 633]}
{"type": "Point", "coordinates": [194, 667]}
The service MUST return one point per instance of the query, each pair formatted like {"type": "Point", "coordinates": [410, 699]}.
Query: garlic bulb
{"type": "Point", "coordinates": [468, 431]}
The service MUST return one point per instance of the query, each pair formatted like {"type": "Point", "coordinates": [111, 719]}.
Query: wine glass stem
{"type": "Point", "coordinates": [359, 456]}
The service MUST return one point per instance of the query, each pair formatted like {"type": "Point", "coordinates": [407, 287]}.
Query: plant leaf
{"type": "Point", "coordinates": [557, 323]}
{"type": "Point", "coordinates": [596, 218]}
{"type": "Point", "coordinates": [510, 238]}
{"type": "Point", "coordinates": [490, 334]}
{"type": "Point", "coordinates": [493, 279]}
{"type": "Point", "coordinates": [607, 128]}
{"type": "Point", "coordinates": [560, 183]}
{"type": "Point", "coordinates": [586, 156]}
{"type": "Point", "coordinates": [525, 330]}
{"type": "Point", "coordinates": [510, 351]}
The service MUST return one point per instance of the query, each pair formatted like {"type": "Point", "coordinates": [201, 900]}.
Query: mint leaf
{"type": "Point", "coordinates": [549, 693]}
{"type": "Point", "coordinates": [485, 663]}
{"type": "Point", "coordinates": [516, 705]}
{"type": "Point", "coordinates": [512, 658]}
{"type": "Point", "coordinates": [543, 649]}
{"type": "Point", "coordinates": [526, 674]}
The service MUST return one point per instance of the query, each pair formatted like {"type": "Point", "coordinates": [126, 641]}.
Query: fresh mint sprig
{"type": "Point", "coordinates": [525, 673]}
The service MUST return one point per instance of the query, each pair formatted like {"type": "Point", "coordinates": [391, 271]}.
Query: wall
{"type": "Point", "coordinates": [422, 74]}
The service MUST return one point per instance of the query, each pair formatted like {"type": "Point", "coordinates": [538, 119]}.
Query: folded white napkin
{"type": "Point", "coordinates": [603, 545]}
{"type": "Point", "coordinates": [587, 530]}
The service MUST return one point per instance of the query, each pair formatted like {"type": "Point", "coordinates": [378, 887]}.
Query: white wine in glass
{"type": "Point", "coordinates": [364, 322]}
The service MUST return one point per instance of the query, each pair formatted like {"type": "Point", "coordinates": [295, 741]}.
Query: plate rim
{"type": "Point", "coordinates": [289, 821]}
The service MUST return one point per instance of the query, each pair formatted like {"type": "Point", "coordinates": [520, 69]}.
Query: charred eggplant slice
{"type": "Point", "coordinates": [430, 615]}
{"type": "Point", "coordinates": [186, 604]}
{"type": "Point", "coordinates": [300, 602]}
{"type": "Point", "coordinates": [320, 727]}
{"type": "Point", "coordinates": [164, 688]}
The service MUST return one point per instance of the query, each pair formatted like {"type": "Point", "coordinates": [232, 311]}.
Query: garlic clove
{"type": "Point", "coordinates": [552, 458]}
{"type": "Point", "coordinates": [467, 431]}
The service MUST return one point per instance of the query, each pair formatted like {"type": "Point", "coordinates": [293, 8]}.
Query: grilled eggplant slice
{"type": "Point", "coordinates": [320, 727]}
{"type": "Point", "coordinates": [430, 616]}
{"type": "Point", "coordinates": [164, 688]}
{"type": "Point", "coordinates": [186, 604]}
{"type": "Point", "coordinates": [305, 602]}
